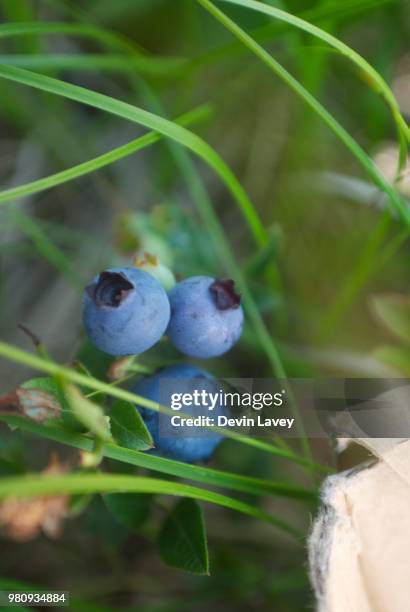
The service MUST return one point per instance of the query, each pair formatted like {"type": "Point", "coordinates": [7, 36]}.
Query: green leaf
{"type": "Point", "coordinates": [393, 310]}
{"type": "Point", "coordinates": [128, 428]}
{"type": "Point", "coordinates": [130, 509]}
{"type": "Point", "coordinates": [43, 383]}
{"type": "Point", "coordinates": [182, 538]}
{"type": "Point", "coordinates": [88, 414]}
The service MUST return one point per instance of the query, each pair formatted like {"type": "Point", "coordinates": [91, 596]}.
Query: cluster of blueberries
{"type": "Point", "coordinates": [126, 311]}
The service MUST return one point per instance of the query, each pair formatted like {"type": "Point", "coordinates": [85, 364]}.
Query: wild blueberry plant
{"type": "Point", "coordinates": [86, 421]}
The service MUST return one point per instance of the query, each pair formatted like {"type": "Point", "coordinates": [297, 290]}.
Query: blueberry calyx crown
{"type": "Point", "coordinates": [224, 294]}
{"type": "Point", "coordinates": [111, 289]}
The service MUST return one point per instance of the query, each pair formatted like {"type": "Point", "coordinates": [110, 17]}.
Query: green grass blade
{"type": "Point", "coordinates": [311, 101]}
{"type": "Point", "coordinates": [33, 485]}
{"type": "Point", "coordinates": [98, 162]}
{"type": "Point", "coordinates": [271, 30]}
{"type": "Point", "coordinates": [149, 120]}
{"type": "Point", "coordinates": [72, 29]}
{"type": "Point", "coordinates": [198, 473]}
{"type": "Point", "coordinates": [372, 76]}
{"type": "Point", "coordinates": [150, 66]}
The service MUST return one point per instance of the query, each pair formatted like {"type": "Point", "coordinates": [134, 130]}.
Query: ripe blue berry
{"type": "Point", "coordinates": [185, 443]}
{"type": "Point", "coordinates": [206, 316]}
{"type": "Point", "coordinates": [125, 311]}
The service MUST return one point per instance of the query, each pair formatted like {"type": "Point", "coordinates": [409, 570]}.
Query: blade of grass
{"type": "Point", "coordinates": [335, 10]}
{"type": "Point", "coordinates": [372, 76]}
{"type": "Point", "coordinates": [102, 35]}
{"type": "Point", "coordinates": [101, 161]}
{"type": "Point", "coordinates": [298, 88]}
{"type": "Point", "coordinates": [155, 65]}
{"type": "Point", "coordinates": [70, 484]}
{"type": "Point", "coordinates": [23, 10]}
{"type": "Point", "coordinates": [17, 355]}
{"type": "Point", "coordinates": [165, 66]}
{"type": "Point", "coordinates": [151, 121]}
{"type": "Point", "coordinates": [269, 31]}
{"type": "Point", "coordinates": [198, 473]}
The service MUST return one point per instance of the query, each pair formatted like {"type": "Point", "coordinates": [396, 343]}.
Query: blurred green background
{"type": "Point", "coordinates": [332, 284]}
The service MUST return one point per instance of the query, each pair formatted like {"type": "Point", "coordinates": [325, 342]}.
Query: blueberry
{"type": "Point", "coordinates": [125, 311]}
{"type": "Point", "coordinates": [185, 443]}
{"type": "Point", "coordinates": [206, 316]}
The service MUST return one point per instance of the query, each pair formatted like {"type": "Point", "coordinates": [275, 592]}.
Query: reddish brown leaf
{"type": "Point", "coordinates": [35, 404]}
{"type": "Point", "coordinates": [23, 519]}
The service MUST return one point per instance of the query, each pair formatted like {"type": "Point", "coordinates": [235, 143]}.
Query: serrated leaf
{"type": "Point", "coordinates": [129, 509]}
{"type": "Point", "coordinates": [182, 538]}
{"type": "Point", "coordinates": [88, 414]}
{"type": "Point", "coordinates": [128, 428]}
{"type": "Point", "coordinates": [393, 310]}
